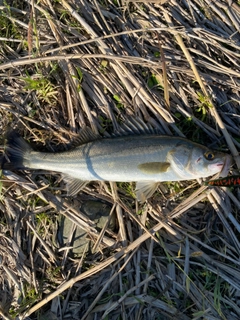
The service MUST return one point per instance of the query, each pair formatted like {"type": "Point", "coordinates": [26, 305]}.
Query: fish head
{"type": "Point", "coordinates": [204, 162]}
{"type": "Point", "coordinates": [196, 161]}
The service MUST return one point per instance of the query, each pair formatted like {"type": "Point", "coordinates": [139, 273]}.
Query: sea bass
{"type": "Point", "coordinates": [144, 158]}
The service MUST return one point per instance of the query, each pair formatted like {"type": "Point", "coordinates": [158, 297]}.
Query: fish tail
{"type": "Point", "coordinates": [17, 152]}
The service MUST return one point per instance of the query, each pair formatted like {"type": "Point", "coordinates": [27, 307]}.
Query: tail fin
{"type": "Point", "coordinates": [17, 152]}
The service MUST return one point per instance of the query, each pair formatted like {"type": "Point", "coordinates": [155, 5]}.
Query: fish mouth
{"type": "Point", "coordinates": [216, 167]}
{"type": "Point", "coordinates": [226, 166]}
{"type": "Point", "coordinates": [222, 167]}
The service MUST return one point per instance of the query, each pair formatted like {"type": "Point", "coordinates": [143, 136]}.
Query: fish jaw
{"type": "Point", "coordinates": [226, 166]}
{"type": "Point", "coordinates": [215, 167]}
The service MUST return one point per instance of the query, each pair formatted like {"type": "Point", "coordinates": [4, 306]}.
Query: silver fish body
{"type": "Point", "coordinates": [120, 159]}
{"type": "Point", "coordinates": [145, 159]}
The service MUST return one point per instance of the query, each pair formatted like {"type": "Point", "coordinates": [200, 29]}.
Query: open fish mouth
{"type": "Point", "coordinates": [226, 166]}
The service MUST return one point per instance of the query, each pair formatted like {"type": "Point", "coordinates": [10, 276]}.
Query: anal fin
{"type": "Point", "coordinates": [73, 185]}
{"type": "Point", "coordinates": [145, 189]}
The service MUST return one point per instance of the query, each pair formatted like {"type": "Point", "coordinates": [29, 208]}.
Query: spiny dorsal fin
{"type": "Point", "coordinates": [130, 126]}
{"type": "Point", "coordinates": [134, 126]}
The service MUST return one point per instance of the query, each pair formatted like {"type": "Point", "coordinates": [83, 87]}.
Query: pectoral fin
{"type": "Point", "coordinates": [154, 167]}
{"type": "Point", "coordinates": [73, 185]}
{"type": "Point", "coordinates": [145, 189]}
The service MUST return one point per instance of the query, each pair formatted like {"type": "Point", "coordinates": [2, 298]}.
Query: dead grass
{"type": "Point", "coordinates": [67, 64]}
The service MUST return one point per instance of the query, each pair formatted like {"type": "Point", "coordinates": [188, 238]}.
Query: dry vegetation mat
{"type": "Point", "coordinates": [67, 64]}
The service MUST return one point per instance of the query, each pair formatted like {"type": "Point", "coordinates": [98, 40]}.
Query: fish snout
{"type": "Point", "coordinates": [226, 166]}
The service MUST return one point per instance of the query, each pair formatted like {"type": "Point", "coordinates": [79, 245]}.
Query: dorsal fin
{"type": "Point", "coordinates": [134, 126]}
{"type": "Point", "coordinates": [130, 126]}
{"type": "Point", "coordinates": [84, 136]}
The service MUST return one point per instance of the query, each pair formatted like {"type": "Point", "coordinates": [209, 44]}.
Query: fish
{"type": "Point", "coordinates": [136, 153]}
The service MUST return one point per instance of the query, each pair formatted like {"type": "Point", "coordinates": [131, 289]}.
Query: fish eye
{"type": "Point", "coordinates": [209, 155]}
